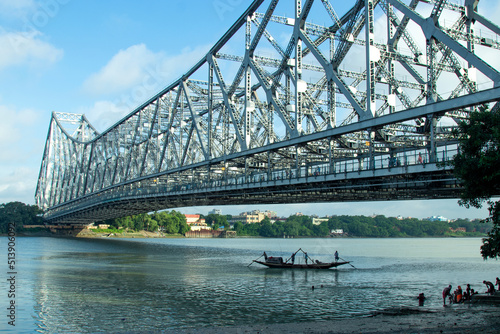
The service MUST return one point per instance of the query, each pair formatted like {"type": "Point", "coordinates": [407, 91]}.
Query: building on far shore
{"type": "Point", "coordinates": [249, 217]}
{"type": "Point", "coordinates": [215, 212]}
{"type": "Point", "coordinates": [437, 219]}
{"type": "Point", "coordinates": [337, 232]}
{"type": "Point", "coordinates": [318, 221]}
{"type": "Point", "coordinates": [196, 223]}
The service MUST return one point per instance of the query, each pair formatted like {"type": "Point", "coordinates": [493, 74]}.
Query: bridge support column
{"type": "Point", "coordinates": [432, 140]}
{"type": "Point", "coordinates": [370, 150]}
{"type": "Point", "coordinates": [331, 156]}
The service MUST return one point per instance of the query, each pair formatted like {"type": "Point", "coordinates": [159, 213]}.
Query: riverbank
{"type": "Point", "coordinates": [135, 234]}
{"type": "Point", "coordinates": [454, 319]}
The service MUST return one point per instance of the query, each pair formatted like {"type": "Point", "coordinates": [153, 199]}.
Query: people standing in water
{"type": "Point", "coordinates": [446, 293]}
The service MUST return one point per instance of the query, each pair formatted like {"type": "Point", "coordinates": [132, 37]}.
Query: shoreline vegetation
{"type": "Point", "coordinates": [167, 224]}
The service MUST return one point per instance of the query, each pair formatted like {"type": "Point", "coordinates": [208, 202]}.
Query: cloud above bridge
{"type": "Point", "coordinates": [125, 70]}
{"type": "Point", "coordinates": [27, 49]}
{"type": "Point", "coordinates": [132, 76]}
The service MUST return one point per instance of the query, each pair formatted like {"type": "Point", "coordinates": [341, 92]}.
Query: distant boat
{"type": "Point", "coordinates": [278, 262]}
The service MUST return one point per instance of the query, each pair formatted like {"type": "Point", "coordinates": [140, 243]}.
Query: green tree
{"type": "Point", "coordinates": [477, 166]}
{"type": "Point", "coordinates": [217, 220]}
{"type": "Point", "coordinates": [172, 224]}
{"type": "Point", "coordinates": [19, 213]}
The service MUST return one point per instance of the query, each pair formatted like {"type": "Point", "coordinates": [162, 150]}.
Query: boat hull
{"type": "Point", "coordinates": [486, 298]}
{"type": "Point", "coordinates": [327, 265]}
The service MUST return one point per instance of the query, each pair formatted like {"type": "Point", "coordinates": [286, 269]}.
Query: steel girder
{"type": "Point", "coordinates": [378, 81]}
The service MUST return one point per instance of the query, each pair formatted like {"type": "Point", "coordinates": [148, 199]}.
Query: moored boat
{"type": "Point", "coordinates": [278, 262]}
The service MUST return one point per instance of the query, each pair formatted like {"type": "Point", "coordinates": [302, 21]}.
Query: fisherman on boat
{"type": "Point", "coordinates": [336, 256]}
{"type": "Point", "coordinates": [310, 263]}
{"type": "Point", "coordinates": [490, 286]}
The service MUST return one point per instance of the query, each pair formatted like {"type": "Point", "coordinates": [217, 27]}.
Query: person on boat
{"type": "Point", "coordinates": [265, 256]}
{"type": "Point", "coordinates": [293, 258]}
{"type": "Point", "coordinates": [498, 283]}
{"type": "Point", "coordinates": [446, 293]}
{"type": "Point", "coordinates": [336, 256]}
{"type": "Point", "coordinates": [490, 286]}
{"type": "Point", "coordinates": [305, 255]}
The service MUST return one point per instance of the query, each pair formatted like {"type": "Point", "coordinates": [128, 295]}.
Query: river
{"type": "Point", "coordinates": [115, 285]}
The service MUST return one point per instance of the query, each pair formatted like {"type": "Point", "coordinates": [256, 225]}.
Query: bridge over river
{"type": "Point", "coordinates": [284, 110]}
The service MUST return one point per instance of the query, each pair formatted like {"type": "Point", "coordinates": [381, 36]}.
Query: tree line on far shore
{"type": "Point", "coordinates": [301, 226]}
{"type": "Point", "coordinates": [362, 226]}
{"type": "Point", "coordinates": [19, 214]}
{"type": "Point", "coordinates": [173, 222]}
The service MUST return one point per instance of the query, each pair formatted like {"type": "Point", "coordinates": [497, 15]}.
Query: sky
{"type": "Point", "coordinates": [103, 59]}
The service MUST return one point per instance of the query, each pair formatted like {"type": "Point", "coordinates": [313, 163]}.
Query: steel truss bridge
{"type": "Point", "coordinates": [285, 110]}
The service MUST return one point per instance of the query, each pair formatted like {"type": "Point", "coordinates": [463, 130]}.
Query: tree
{"type": "Point", "coordinates": [217, 220]}
{"type": "Point", "coordinates": [20, 214]}
{"type": "Point", "coordinates": [477, 166]}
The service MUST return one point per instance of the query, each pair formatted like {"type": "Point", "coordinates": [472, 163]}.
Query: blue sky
{"type": "Point", "coordinates": [95, 57]}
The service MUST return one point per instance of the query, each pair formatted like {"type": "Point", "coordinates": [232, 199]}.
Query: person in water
{"type": "Point", "coordinates": [446, 293]}
{"type": "Point", "coordinates": [458, 295]}
{"type": "Point", "coordinates": [467, 292]}
{"type": "Point", "coordinates": [421, 299]}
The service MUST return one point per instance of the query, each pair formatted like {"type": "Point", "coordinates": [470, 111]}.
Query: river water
{"type": "Point", "coordinates": [116, 285]}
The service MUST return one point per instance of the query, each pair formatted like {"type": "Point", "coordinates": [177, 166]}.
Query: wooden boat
{"type": "Point", "coordinates": [278, 262]}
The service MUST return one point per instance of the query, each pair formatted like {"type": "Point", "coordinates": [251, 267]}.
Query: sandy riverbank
{"type": "Point", "coordinates": [454, 319]}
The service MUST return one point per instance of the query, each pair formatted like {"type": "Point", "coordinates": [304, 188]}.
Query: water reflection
{"type": "Point", "coordinates": [108, 285]}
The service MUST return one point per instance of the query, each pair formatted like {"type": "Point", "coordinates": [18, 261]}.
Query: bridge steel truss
{"type": "Point", "coordinates": [337, 112]}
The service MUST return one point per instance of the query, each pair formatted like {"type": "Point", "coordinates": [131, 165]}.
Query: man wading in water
{"type": "Point", "coordinates": [446, 293]}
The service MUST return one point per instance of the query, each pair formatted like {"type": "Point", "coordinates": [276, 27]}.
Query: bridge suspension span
{"type": "Point", "coordinates": [283, 110]}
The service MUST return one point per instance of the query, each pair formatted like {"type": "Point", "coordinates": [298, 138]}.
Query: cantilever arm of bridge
{"type": "Point", "coordinates": [353, 110]}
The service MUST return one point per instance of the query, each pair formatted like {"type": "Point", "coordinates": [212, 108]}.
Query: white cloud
{"type": "Point", "coordinates": [16, 7]}
{"type": "Point", "coordinates": [139, 66]}
{"type": "Point", "coordinates": [27, 49]}
{"type": "Point", "coordinates": [13, 125]}
{"type": "Point", "coordinates": [125, 70]}
{"type": "Point", "coordinates": [20, 153]}
{"type": "Point", "coordinates": [131, 77]}
{"type": "Point", "coordinates": [18, 185]}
